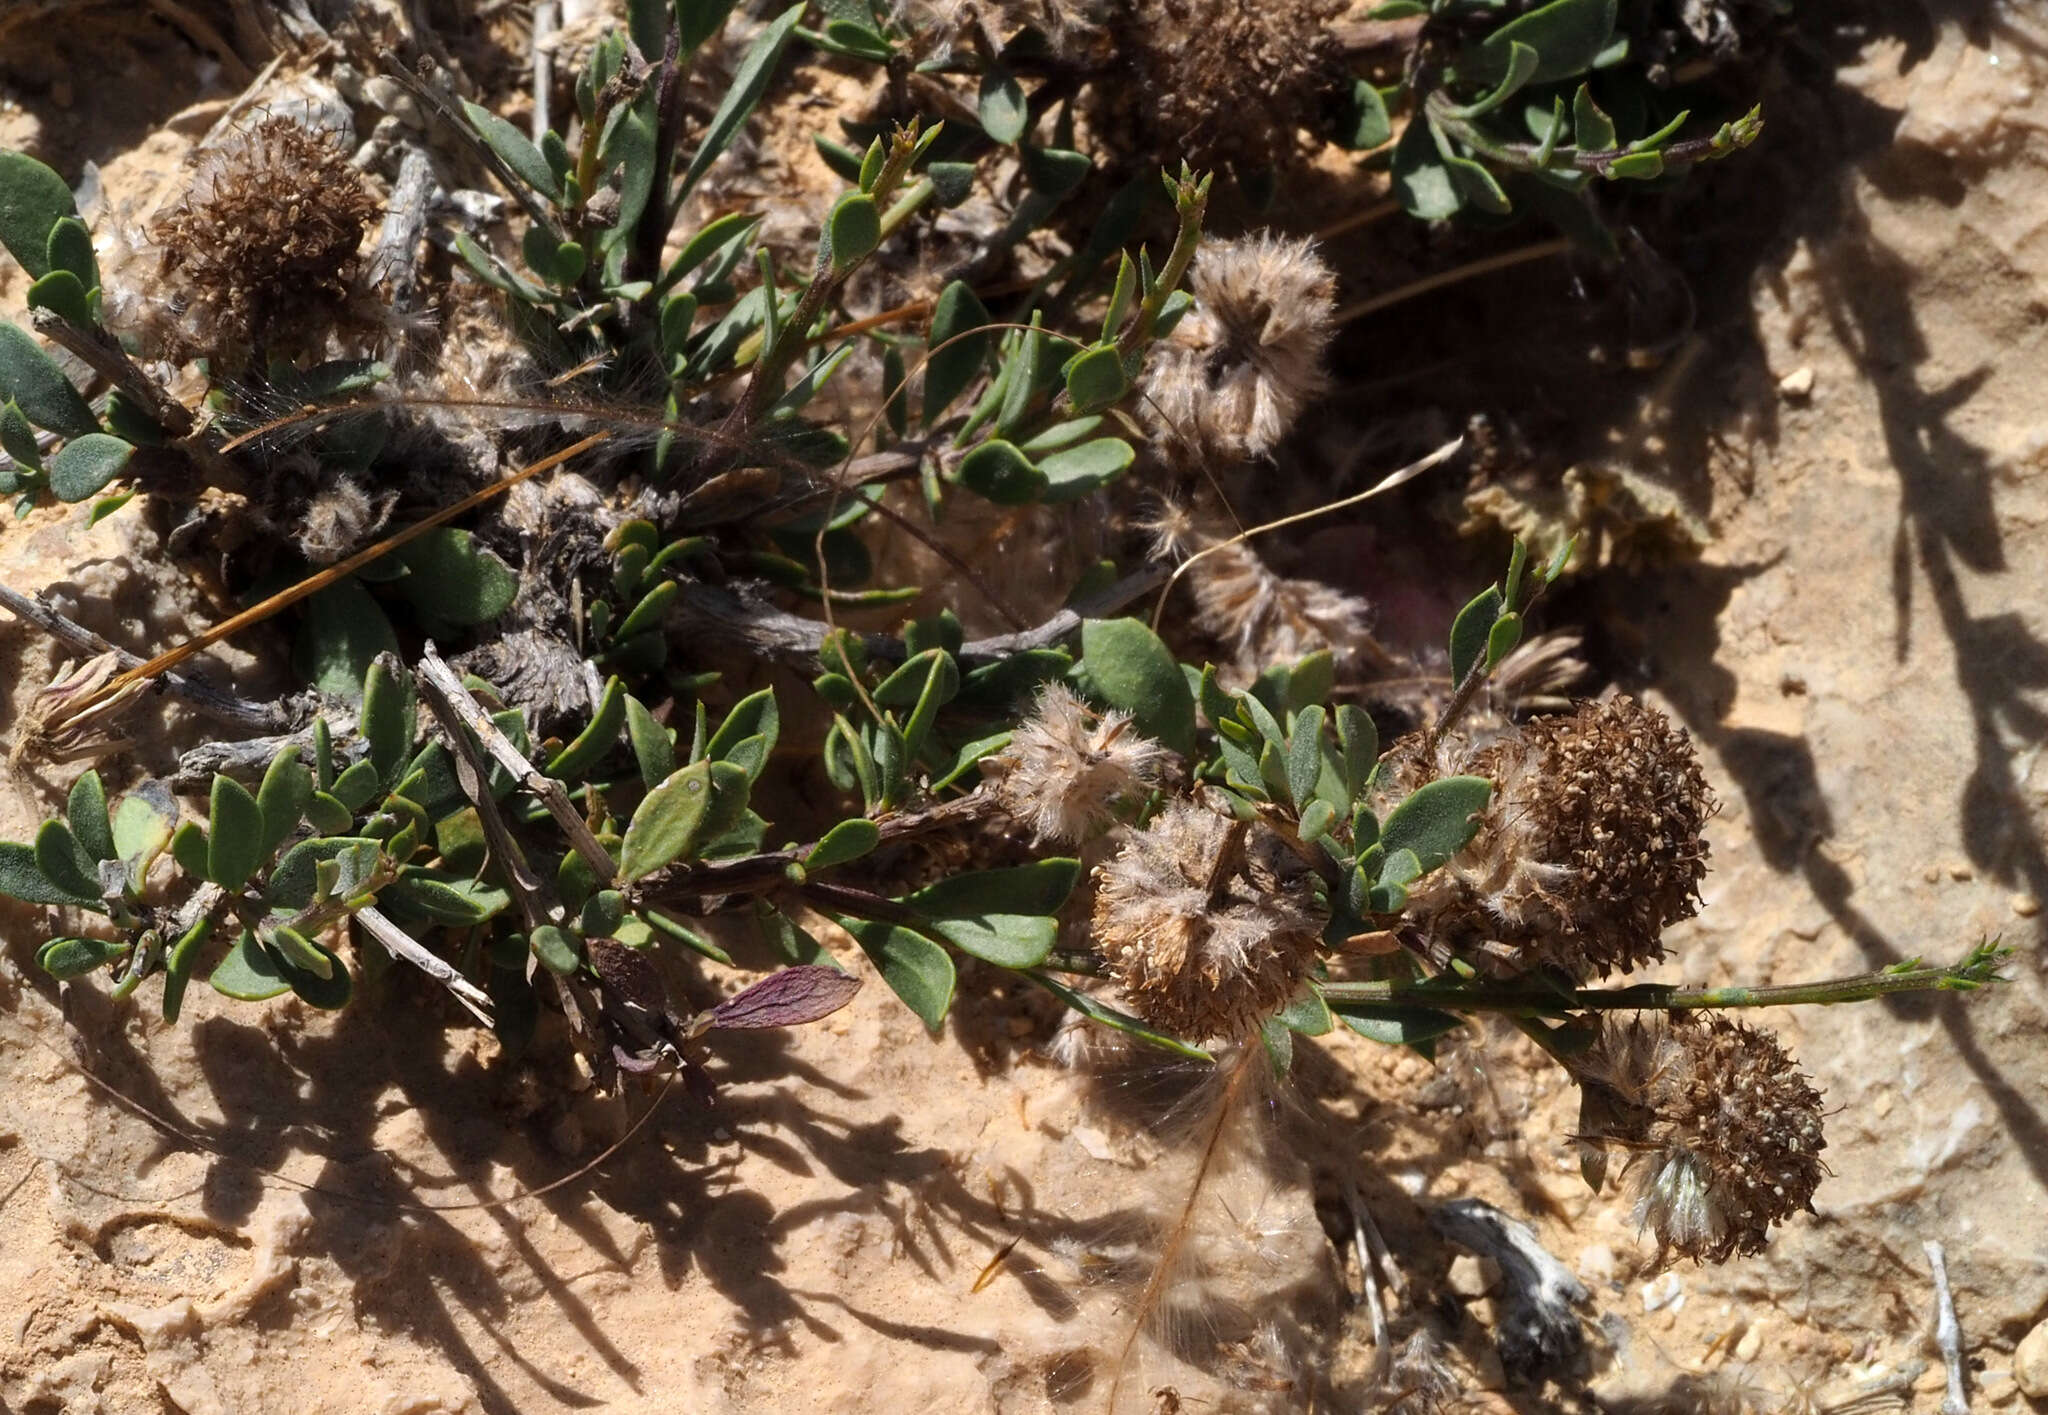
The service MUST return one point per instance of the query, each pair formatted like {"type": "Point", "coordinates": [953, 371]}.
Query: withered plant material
{"type": "Point", "coordinates": [1722, 1131]}
{"type": "Point", "coordinates": [1228, 383]}
{"type": "Point", "coordinates": [1225, 83]}
{"type": "Point", "coordinates": [1208, 923]}
{"type": "Point", "coordinates": [262, 250]}
{"type": "Point", "coordinates": [1589, 849]}
{"type": "Point", "coordinates": [1069, 767]}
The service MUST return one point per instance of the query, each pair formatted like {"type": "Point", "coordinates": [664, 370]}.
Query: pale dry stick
{"type": "Point", "coordinates": [546, 15]}
{"type": "Point", "coordinates": [204, 1146]}
{"type": "Point", "coordinates": [1540, 251]}
{"type": "Point", "coordinates": [436, 671]}
{"type": "Point", "coordinates": [1393, 479]}
{"type": "Point", "coordinates": [1948, 1333]}
{"type": "Point", "coordinates": [212, 702]}
{"type": "Point", "coordinates": [402, 946]}
{"type": "Point", "coordinates": [1382, 1338]}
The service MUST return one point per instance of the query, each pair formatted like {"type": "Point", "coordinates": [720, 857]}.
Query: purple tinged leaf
{"type": "Point", "coordinates": [788, 999]}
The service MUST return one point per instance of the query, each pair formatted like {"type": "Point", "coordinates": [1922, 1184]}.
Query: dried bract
{"type": "Point", "coordinates": [1590, 848]}
{"type": "Point", "coordinates": [1068, 767]}
{"type": "Point", "coordinates": [1227, 384]}
{"type": "Point", "coordinates": [1208, 924]}
{"type": "Point", "coordinates": [262, 249]}
{"type": "Point", "coordinates": [1722, 1131]}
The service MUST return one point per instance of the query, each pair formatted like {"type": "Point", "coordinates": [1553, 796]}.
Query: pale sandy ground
{"type": "Point", "coordinates": [1860, 653]}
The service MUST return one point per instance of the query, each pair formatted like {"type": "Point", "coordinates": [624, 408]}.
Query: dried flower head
{"type": "Point", "coordinates": [1068, 767]}
{"type": "Point", "coordinates": [1222, 83]}
{"type": "Point", "coordinates": [1262, 618]}
{"type": "Point", "coordinates": [1208, 923]}
{"type": "Point", "coordinates": [1227, 384]}
{"type": "Point", "coordinates": [263, 246]}
{"type": "Point", "coordinates": [1589, 850]}
{"type": "Point", "coordinates": [1722, 1131]}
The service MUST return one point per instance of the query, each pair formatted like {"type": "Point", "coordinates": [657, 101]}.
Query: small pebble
{"type": "Point", "coordinates": [1597, 1265]}
{"type": "Point", "coordinates": [1961, 873]}
{"type": "Point", "coordinates": [1798, 383]}
{"type": "Point", "coordinates": [1752, 1342]}
{"type": "Point", "coordinates": [1662, 1292]}
{"type": "Point", "coordinates": [2025, 905]}
{"type": "Point", "coordinates": [2030, 1362]}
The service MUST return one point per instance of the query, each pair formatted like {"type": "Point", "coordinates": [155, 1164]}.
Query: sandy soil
{"type": "Point", "coordinates": [1859, 652]}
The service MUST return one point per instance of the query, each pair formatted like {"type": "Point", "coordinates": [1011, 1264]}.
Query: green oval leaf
{"type": "Point", "coordinates": [848, 840]}
{"type": "Point", "coordinates": [63, 294]}
{"type": "Point", "coordinates": [32, 379]}
{"type": "Point", "coordinates": [85, 464]}
{"type": "Point", "coordinates": [575, 761]}
{"type": "Point", "coordinates": [1000, 105]}
{"type": "Point", "coordinates": [67, 958]}
{"type": "Point", "coordinates": [1469, 631]}
{"type": "Point", "coordinates": [852, 230]}
{"type": "Point", "coordinates": [749, 82]}
{"type": "Point", "coordinates": [1437, 821]}
{"type": "Point", "coordinates": [235, 844]}
{"type": "Point", "coordinates": [20, 878]}
{"type": "Point", "coordinates": [654, 751]}
{"type": "Point", "coordinates": [999, 472]}
{"type": "Point", "coordinates": [286, 791]}
{"type": "Point", "coordinates": [1567, 35]}
{"type": "Point", "coordinates": [755, 715]}
{"type": "Point", "coordinates": [341, 636]}
{"type": "Point", "coordinates": [1395, 1025]}
{"type": "Point", "coordinates": [1096, 379]}
{"type": "Point", "coordinates": [445, 897]}
{"type": "Point", "coordinates": [519, 154]}
{"type": "Point", "coordinates": [249, 973]}
{"type": "Point", "coordinates": [916, 969]}
{"type": "Point", "coordinates": [387, 722]}
{"type": "Point", "coordinates": [559, 951]}
{"type": "Point", "coordinates": [1088, 468]}
{"type": "Point", "coordinates": [455, 580]}
{"type": "Point", "coordinates": [65, 864]}
{"type": "Point", "coordinates": [1131, 670]}
{"type": "Point", "coordinates": [33, 199]}
{"type": "Point", "coordinates": [86, 810]}
{"type": "Point", "coordinates": [955, 360]}
{"type": "Point", "coordinates": [668, 822]}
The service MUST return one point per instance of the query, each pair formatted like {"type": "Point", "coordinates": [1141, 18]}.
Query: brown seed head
{"type": "Point", "coordinates": [1208, 924]}
{"type": "Point", "coordinates": [263, 246]}
{"type": "Point", "coordinates": [1722, 1131]}
{"type": "Point", "coordinates": [1589, 850]}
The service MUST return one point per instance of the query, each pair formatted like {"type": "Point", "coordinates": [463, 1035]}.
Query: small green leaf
{"type": "Point", "coordinates": [249, 973]}
{"type": "Point", "coordinates": [20, 878]}
{"type": "Point", "coordinates": [1305, 756]}
{"type": "Point", "coordinates": [519, 154]}
{"type": "Point", "coordinates": [107, 506]}
{"type": "Point", "coordinates": [1568, 35]}
{"type": "Point", "coordinates": [286, 791]}
{"type": "Point", "coordinates": [848, 840]}
{"type": "Point", "coordinates": [699, 20]}
{"type": "Point", "coordinates": [188, 848]}
{"type": "Point", "coordinates": [1438, 820]}
{"type": "Point", "coordinates": [1470, 629]}
{"type": "Point", "coordinates": [455, 580]}
{"type": "Point", "coordinates": [1037, 888]}
{"type": "Point", "coordinates": [1128, 666]}
{"type": "Point", "coordinates": [302, 951]}
{"type": "Point", "coordinates": [85, 464]}
{"type": "Point", "coordinates": [67, 958]}
{"type": "Point", "coordinates": [294, 882]}
{"type": "Point", "coordinates": [852, 231]}
{"type": "Point", "coordinates": [955, 360]}
{"type": "Point", "coordinates": [1501, 640]}
{"type": "Point", "coordinates": [1592, 129]}
{"type": "Point", "coordinates": [17, 438]}
{"type": "Point", "coordinates": [86, 810]}
{"type": "Point", "coordinates": [33, 199]}
{"type": "Point", "coordinates": [602, 914]}
{"type": "Point", "coordinates": [1000, 105]}
{"type": "Point", "coordinates": [654, 751]}
{"type": "Point", "coordinates": [387, 721]}
{"type": "Point", "coordinates": [755, 715]}
{"type": "Point", "coordinates": [344, 631]}
{"type": "Point", "coordinates": [999, 472]}
{"type": "Point", "coordinates": [559, 951]}
{"type": "Point", "coordinates": [1421, 180]}
{"type": "Point", "coordinates": [357, 785]}
{"type": "Point", "coordinates": [668, 822]}
{"type": "Point", "coordinates": [906, 685]}
{"type": "Point", "coordinates": [65, 864]}
{"type": "Point", "coordinates": [580, 757]}
{"type": "Point", "coordinates": [1096, 1011]}
{"type": "Point", "coordinates": [1364, 124]}
{"type": "Point", "coordinates": [749, 82]}
{"type": "Point", "coordinates": [916, 969]}
{"type": "Point", "coordinates": [557, 262]}
{"type": "Point", "coordinates": [1360, 741]}
{"type": "Point", "coordinates": [1096, 379]}
{"type": "Point", "coordinates": [235, 845]}
{"type": "Point", "coordinates": [1396, 1025]}
{"type": "Point", "coordinates": [63, 294]}
{"type": "Point", "coordinates": [445, 897]}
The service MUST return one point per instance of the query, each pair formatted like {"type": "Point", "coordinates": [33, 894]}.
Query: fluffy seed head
{"type": "Point", "coordinates": [1068, 767]}
{"type": "Point", "coordinates": [1722, 1131]}
{"type": "Point", "coordinates": [263, 247]}
{"type": "Point", "coordinates": [1208, 923]}
{"type": "Point", "coordinates": [1589, 849]}
{"type": "Point", "coordinates": [1227, 384]}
